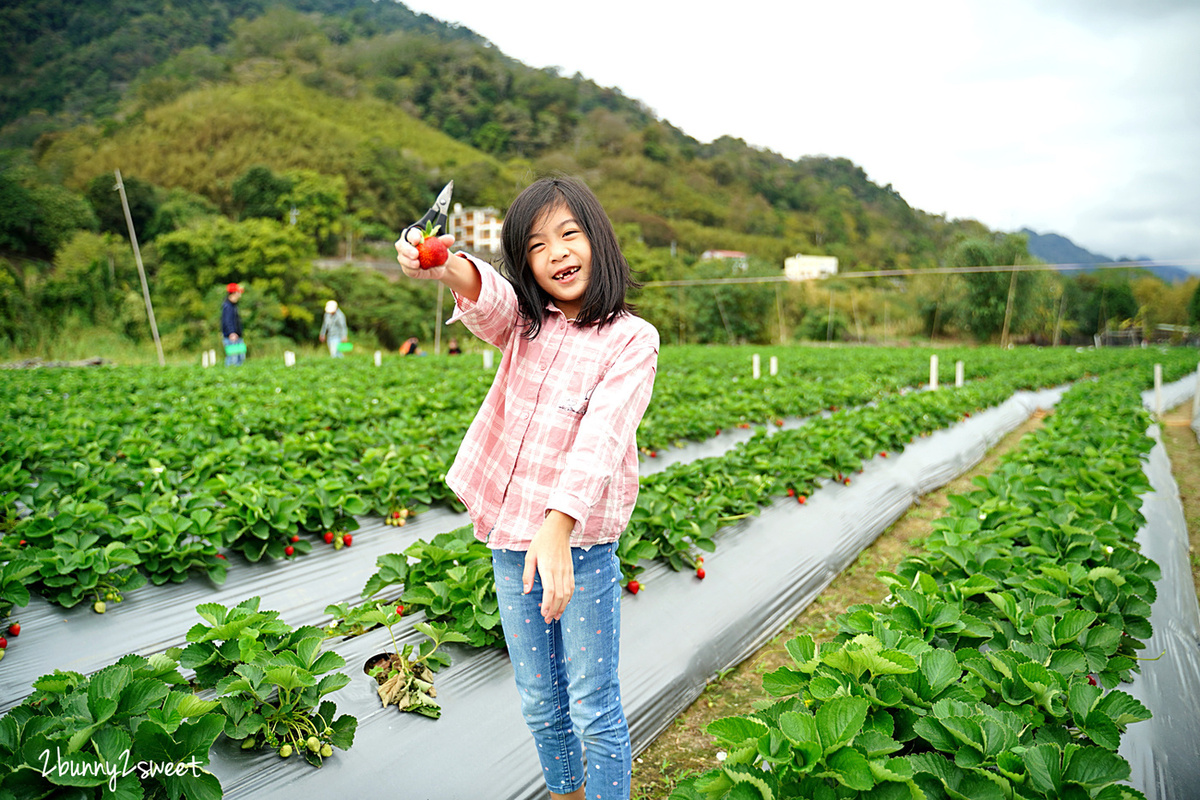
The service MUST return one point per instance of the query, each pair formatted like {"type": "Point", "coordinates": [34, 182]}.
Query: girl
{"type": "Point", "coordinates": [548, 468]}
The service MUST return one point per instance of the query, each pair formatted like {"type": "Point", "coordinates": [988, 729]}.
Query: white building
{"type": "Point", "coordinates": [736, 258]}
{"type": "Point", "coordinates": [807, 268]}
{"type": "Point", "coordinates": [475, 229]}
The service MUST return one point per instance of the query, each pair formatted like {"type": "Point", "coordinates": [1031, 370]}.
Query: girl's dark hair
{"type": "Point", "coordinates": [611, 278]}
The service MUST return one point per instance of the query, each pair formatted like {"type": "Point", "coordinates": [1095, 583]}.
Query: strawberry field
{"type": "Point", "coordinates": [199, 567]}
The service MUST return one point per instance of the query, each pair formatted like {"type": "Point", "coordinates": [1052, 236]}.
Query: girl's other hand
{"type": "Point", "coordinates": [406, 255]}
{"type": "Point", "coordinates": [549, 557]}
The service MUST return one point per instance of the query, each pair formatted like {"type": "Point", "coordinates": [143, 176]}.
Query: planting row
{"type": "Point", "coordinates": [990, 670]}
{"type": "Point", "coordinates": [266, 464]}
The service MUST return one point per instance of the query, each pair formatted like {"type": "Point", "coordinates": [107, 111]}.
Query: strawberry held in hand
{"type": "Point", "coordinates": [431, 251]}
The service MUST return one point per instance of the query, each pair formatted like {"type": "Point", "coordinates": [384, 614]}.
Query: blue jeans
{"type": "Point", "coordinates": [233, 359]}
{"type": "Point", "coordinates": [566, 672]}
{"type": "Point", "coordinates": [333, 342]}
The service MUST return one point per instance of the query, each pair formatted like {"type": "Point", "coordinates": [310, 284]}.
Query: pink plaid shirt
{"type": "Point", "coordinates": [558, 427]}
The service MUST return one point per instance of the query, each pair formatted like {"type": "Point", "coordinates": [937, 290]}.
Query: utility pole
{"type": "Point", "coordinates": [137, 256]}
{"type": "Point", "coordinates": [1012, 290]}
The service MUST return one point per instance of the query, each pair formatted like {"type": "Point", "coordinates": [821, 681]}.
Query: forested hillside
{"type": "Point", "coordinates": [224, 117]}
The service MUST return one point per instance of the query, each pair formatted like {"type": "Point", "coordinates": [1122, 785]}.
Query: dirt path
{"type": "Point", "coordinates": [1184, 452]}
{"type": "Point", "coordinates": [685, 748]}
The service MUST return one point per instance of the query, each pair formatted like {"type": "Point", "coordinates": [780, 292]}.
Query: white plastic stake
{"type": "Point", "coordinates": [204, 359]}
{"type": "Point", "coordinates": [756, 367]}
{"type": "Point", "coordinates": [958, 373]}
{"type": "Point", "coordinates": [212, 357]}
{"type": "Point", "coordinates": [378, 358]}
{"type": "Point", "coordinates": [1158, 409]}
{"type": "Point", "coordinates": [933, 372]}
{"type": "Point", "coordinates": [774, 365]}
{"type": "Point", "coordinates": [487, 359]}
{"type": "Point", "coordinates": [289, 358]}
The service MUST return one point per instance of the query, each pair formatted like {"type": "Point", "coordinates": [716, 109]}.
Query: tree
{"type": "Point", "coordinates": [986, 303]}
{"type": "Point", "coordinates": [256, 193]}
{"type": "Point", "coordinates": [1193, 309]}
{"type": "Point", "coordinates": [319, 203]}
{"type": "Point", "coordinates": [274, 259]}
{"type": "Point", "coordinates": [141, 195]}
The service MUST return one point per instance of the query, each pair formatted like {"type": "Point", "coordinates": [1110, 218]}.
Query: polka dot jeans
{"type": "Point", "coordinates": [566, 672]}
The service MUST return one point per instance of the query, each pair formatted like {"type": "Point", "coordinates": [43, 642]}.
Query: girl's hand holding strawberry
{"type": "Point", "coordinates": [419, 255]}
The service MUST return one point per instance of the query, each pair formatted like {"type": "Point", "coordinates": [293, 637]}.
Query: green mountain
{"type": "Point", "coordinates": [229, 119]}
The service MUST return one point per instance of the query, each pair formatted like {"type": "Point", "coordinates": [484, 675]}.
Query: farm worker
{"type": "Point", "coordinates": [231, 325]}
{"type": "Point", "coordinates": [452, 347]}
{"type": "Point", "coordinates": [411, 346]}
{"type": "Point", "coordinates": [334, 330]}
{"type": "Point", "coordinates": [548, 468]}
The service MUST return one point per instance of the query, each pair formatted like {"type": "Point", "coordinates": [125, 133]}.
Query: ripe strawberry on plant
{"type": "Point", "coordinates": [289, 550]}
{"type": "Point", "coordinates": [14, 629]}
{"type": "Point", "coordinates": [431, 252]}
{"type": "Point", "coordinates": [634, 587]}
{"type": "Point", "coordinates": [328, 537]}
{"type": "Point", "coordinates": [3, 643]}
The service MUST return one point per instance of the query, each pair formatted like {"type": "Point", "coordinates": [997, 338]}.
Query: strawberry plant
{"type": "Point", "coordinates": [269, 679]}
{"type": "Point", "coordinates": [451, 580]}
{"type": "Point", "coordinates": [990, 671]}
{"type": "Point", "coordinates": [405, 677]}
{"type": "Point", "coordinates": [86, 735]}
{"type": "Point", "coordinates": [75, 568]}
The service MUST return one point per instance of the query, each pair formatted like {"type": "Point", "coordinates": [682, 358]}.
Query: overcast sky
{"type": "Point", "coordinates": [1077, 117]}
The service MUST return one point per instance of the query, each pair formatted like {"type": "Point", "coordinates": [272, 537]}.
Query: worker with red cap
{"type": "Point", "coordinates": [231, 327]}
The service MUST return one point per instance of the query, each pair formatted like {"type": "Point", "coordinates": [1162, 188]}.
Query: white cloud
{"type": "Point", "coordinates": [1080, 117]}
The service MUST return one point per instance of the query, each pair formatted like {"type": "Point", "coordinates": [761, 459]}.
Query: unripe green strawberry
{"type": "Point", "coordinates": [285, 751]}
{"type": "Point", "coordinates": [326, 750]}
{"type": "Point", "coordinates": [313, 743]}
{"type": "Point", "coordinates": [99, 607]}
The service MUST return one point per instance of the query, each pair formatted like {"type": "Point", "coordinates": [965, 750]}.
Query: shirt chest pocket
{"type": "Point", "coordinates": [574, 392]}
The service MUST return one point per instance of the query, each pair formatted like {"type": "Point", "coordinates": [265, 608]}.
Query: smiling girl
{"type": "Point", "coordinates": [548, 467]}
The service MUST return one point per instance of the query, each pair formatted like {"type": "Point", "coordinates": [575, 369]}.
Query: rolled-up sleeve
{"type": "Point", "coordinates": [608, 428]}
{"type": "Point", "coordinates": [494, 315]}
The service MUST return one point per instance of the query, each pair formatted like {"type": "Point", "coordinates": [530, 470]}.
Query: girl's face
{"type": "Point", "coordinates": [560, 255]}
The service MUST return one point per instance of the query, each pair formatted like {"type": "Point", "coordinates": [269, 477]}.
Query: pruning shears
{"type": "Point", "coordinates": [437, 213]}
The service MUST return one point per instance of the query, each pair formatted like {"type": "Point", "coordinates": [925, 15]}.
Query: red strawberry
{"type": "Point", "coordinates": [791, 492]}
{"type": "Point", "coordinates": [700, 573]}
{"type": "Point", "coordinates": [289, 550]}
{"type": "Point", "coordinates": [431, 252]}
{"type": "Point", "coordinates": [634, 587]}
{"type": "Point", "coordinates": [220, 555]}
{"type": "Point", "coordinates": [846, 481]}
{"type": "Point", "coordinates": [653, 454]}
{"type": "Point", "coordinates": [14, 629]}
{"type": "Point", "coordinates": [395, 515]}
{"type": "Point", "coordinates": [718, 433]}
{"type": "Point", "coordinates": [1092, 680]}
{"type": "Point", "coordinates": [800, 499]}
{"type": "Point", "coordinates": [328, 537]}
{"type": "Point", "coordinates": [3, 643]}
{"type": "Point", "coordinates": [883, 454]}
{"type": "Point", "coordinates": [399, 611]}
{"type": "Point", "coordinates": [347, 540]}
{"type": "Point", "coordinates": [295, 537]}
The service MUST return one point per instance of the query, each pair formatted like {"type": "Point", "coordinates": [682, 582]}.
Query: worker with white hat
{"type": "Point", "coordinates": [334, 330]}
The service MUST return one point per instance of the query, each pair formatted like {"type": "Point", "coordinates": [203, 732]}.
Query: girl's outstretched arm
{"type": "Point", "coordinates": [549, 556]}
{"type": "Point", "coordinates": [459, 274]}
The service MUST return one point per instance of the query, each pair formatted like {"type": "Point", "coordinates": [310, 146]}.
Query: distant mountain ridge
{"type": "Point", "coordinates": [1056, 249]}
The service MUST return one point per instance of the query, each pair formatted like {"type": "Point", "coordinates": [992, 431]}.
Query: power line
{"type": "Point", "coordinates": [895, 273]}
